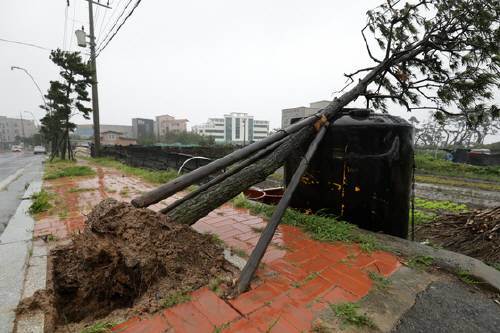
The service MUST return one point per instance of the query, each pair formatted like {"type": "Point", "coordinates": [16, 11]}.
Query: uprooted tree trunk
{"type": "Point", "coordinates": [192, 210]}
{"type": "Point", "coordinates": [414, 37]}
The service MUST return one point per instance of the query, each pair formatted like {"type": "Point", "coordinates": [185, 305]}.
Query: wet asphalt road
{"type": "Point", "coordinates": [11, 196]}
{"type": "Point", "coordinates": [450, 308]}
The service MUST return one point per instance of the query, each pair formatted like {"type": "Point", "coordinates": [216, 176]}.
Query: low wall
{"type": "Point", "coordinates": [157, 158]}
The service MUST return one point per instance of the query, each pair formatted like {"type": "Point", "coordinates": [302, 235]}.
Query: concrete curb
{"type": "Point", "coordinates": [15, 251]}
{"type": "Point", "coordinates": [448, 260]}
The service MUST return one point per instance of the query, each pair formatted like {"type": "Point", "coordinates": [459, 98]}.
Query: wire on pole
{"type": "Point", "coordinates": [24, 43]}
{"type": "Point", "coordinates": [121, 25]}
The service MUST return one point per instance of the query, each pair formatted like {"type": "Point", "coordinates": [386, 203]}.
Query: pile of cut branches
{"type": "Point", "coordinates": [475, 233]}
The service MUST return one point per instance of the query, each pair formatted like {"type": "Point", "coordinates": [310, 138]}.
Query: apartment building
{"type": "Point", "coordinates": [214, 127]}
{"type": "Point", "coordinates": [10, 128]}
{"type": "Point", "coordinates": [289, 116]}
{"type": "Point", "coordinates": [238, 128]}
{"type": "Point", "coordinates": [143, 129]}
{"type": "Point", "coordinates": [168, 124]}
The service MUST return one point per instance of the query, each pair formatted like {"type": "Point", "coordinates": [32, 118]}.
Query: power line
{"type": "Point", "coordinates": [65, 27]}
{"type": "Point", "coordinates": [96, 13]}
{"type": "Point", "coordinates": [72, 28]}
{"type": "Point", "coordinates": [121, 25]}
{"type": "Point", "coordinates": [26, 44]}
{"type": "Point", "coordinates": [116, 22]}
{"type": "Point", "coordinates": [101, 26]}
{"type": "Point", "coordinates": [105, 27]}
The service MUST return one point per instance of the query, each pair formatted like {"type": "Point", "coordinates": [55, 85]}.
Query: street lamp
{"type": "Point", "coordinates": [32, 79]}
{"type": "Point", "coordinates": [34, 119]}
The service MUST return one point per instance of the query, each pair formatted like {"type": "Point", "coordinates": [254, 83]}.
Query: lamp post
{"type": "Point", "coordinates": [32, 79]}
{"type": "Point", "coordinates": [33, 116]}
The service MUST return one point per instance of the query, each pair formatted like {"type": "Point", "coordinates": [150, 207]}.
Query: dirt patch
{"type": "Point", "coordinates": [132, 259]}
{"type": "Point", "coordinates": [475, 233]}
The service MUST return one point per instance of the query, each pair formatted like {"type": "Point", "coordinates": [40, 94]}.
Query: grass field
{"type": "Point", "coordinates": [64, 168]}
{"type": "Point", "coordinates": [152, 176]}
{"type": "Point", "coordinates": [426, 164]}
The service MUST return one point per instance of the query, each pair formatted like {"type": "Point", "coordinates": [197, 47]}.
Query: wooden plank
{"type": "Point", "coordinates": [268, 233]}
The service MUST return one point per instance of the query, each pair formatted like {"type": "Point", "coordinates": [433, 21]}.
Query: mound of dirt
{"type": "Point", "coordinates": [475, 233]}
{"type": "Point", "coordinates": [129, 257]}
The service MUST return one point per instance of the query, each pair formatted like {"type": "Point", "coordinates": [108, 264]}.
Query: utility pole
{"type": "Point", "coordinates": [22, 124]}
{"type": "Point", "coordinates": [93, 65]}
{"type": "Point", "coordinates": [95, 95]}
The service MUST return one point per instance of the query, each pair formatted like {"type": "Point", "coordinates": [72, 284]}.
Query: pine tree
{"type": "Point", "coordinates": [66, 98]}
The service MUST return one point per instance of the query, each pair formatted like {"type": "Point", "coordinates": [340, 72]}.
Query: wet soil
{"type": "Point", "coordinates": [128, 261]}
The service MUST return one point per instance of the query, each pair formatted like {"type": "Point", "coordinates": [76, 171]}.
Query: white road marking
{"type": "Point", "coordinates": [10, 179]}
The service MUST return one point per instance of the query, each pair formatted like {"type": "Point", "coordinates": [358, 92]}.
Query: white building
{"type": "Point", "coordinates": [10, 128]}
{"type": "Point", "coordinates": [289, 116]}
{"type": "Point", "coordinates": [214, 127]}
{"type": "Point", "coordinates": [239, 128]}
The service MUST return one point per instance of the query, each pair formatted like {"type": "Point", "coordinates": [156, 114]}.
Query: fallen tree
{"type": "Point", "coordinates": [436, 55]}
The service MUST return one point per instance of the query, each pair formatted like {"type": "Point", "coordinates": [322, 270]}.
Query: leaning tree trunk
{"type": "Point", "coordinates": [192, 210]}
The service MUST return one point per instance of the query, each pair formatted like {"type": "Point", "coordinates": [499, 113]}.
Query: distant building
{"type": "Point", "coordinates": [168, 124]}
{"type": "Point", "coordinates": [289, 116]}
{"type": "Point", "coordinates": [234, 128]}
{"type": "Point", "coordinates": [143, 129]}
{"type": "Point", "coordinates": [87, 130]}
{"type": "Point", "coordinates": [214, 127]}
{"type": "Point", "coordinates": [116, 138]}
{"type": "Point", "coordinates": [10, 128]}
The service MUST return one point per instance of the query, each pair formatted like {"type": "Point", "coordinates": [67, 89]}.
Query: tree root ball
{"type": "Point", "coordinates": [128, 257]}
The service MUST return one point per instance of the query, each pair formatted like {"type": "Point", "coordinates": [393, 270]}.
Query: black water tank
{"type": "Point", "coordinates": [361, 172]}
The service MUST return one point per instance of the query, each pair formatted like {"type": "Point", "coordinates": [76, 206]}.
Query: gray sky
{"type": "Point", "coordinates": [191, 59]}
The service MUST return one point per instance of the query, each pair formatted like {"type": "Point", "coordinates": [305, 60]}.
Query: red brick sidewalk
{"type": "Point", "coordinates": [300, 277]}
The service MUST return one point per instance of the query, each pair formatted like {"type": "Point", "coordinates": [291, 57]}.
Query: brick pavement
{"type": "Point", "coordinates": [300, 277]}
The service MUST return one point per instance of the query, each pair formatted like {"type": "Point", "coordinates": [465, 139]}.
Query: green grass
{"type": "Point", "coordinates": [496, 266]}
{"type": "Point", "coordinates": [420, 263]}
{"type": "Point", "coordinates": [40, 202]}
{"type": "Point", "coordinates": [214, 285]}
{"type": "Point", "coordinates": [176, 298]}
{"type": "Point", "coordinates": [277, 176]}
{"type": "Point", "coordinates": [422, 217]}
{"type": "Point", "coordinates": [349, 315]}
{"type": "Point", "coordinates": [51, 238]}
{"type": "Point", "coordinates": [221, 328]}
{"type": "Point", "coordinates": [152, 176]}
{"type": "Point", "coordinates": [59, 168]}
{"type": "Point", "coordinates": [99, 328]}
{"type": "Point", "coordinates": [427, 210]}
{"type": "Point", "coordinates": [308, 278]}
{"type": "Point", "coordinates": [467, 278]}
{"type": "Point", "coordinates": [430, 179]}
{"type": "Point", "coordinates": [239, 252]}
{"type": "Point", "coordinates": [430, 165]}
{"type": "Point", "coordinates": [321, 228]}
{"type": "Point", "coordinates": [380, 282]}
{"type": "Point", "coordinates": [216, 239]}
{"type": "Point", "coordinates": [438, 206]}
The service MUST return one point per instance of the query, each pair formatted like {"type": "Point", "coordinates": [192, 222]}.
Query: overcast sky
{"type": "Point", "coordinates": [191, 59]}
